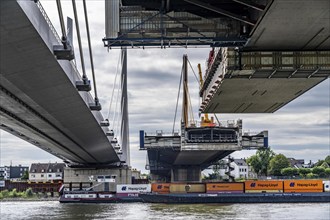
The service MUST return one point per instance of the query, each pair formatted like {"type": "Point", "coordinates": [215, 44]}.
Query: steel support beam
{"type": "Point", "coordinates": [250, 4]}
{"type": "Point", "coordinates": [220, 11]}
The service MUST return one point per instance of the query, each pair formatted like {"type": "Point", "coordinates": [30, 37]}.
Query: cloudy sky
{"type": "Point", "coordinates": [300, 129]}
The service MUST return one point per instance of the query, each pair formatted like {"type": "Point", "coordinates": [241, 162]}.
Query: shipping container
{"type": "Point", "coordinates": [263, 185]}
{"type": "Point", "coordinates": [225, 187]}
{"type": "Point", "coordinates": [326, 185]}
{"type": "Point", "coordinates": [160, 187]}
{"type": "Point", "coordinates": [305, 185]}
{"type": "Point", "coordinates": [187, 188]}
{"type": "Point", "coordinates": [133, 188]}
{"type": "Point", "coordinates": [264, 191]}
{"type": "Point", "coordinates": [303, 190]}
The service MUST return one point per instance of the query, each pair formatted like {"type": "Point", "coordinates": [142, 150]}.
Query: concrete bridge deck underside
{"type": "Point", "coordinates": [39, 100]}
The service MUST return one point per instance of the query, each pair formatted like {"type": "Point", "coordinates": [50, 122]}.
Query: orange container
{"type": "Point", "coordinates": [221, 187]}
{"type": "Point", "coordinates": [264, 191]}
{"type": "Point", "coordinates": [303, 191]}
{"type": "Point", "coordinates": [160, 187]}
{"type": "Point", "coordinates": [303, 186]}
{"type": "Point", "coordinates": [263, 185]}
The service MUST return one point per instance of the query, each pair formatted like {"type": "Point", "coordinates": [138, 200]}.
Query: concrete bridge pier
{"type": "Point", "coordinates": [186, 174]}
{"type": "Point", "coordinates": [97, 179]}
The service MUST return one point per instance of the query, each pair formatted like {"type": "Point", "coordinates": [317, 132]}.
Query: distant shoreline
{"type": "Point", "coordinates": [19, 199]}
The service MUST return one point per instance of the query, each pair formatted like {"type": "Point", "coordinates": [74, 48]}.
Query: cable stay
{"type": "Point", "coordinates": [106, 123]}
{"type": "Point", "coordinates": [116, 115]}
{"type": "Point", "coordinates": [64, 51]}
{"type": "Point", "coordinates": [96, 106]}
{"type": "Point", "coordinates": [83, 85]}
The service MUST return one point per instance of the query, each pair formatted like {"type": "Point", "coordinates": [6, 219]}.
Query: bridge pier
{"type": "Point", "coordinates": [103, 179]}
{"type": "Point", "coordinates": [186, 174]}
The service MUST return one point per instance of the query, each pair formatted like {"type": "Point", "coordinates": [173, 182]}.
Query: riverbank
{"type": "Point", "coordinates": [31, 199]}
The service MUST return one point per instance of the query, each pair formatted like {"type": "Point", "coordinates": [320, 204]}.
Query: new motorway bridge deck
{"type": "Point", "coordinates": [39, 100]}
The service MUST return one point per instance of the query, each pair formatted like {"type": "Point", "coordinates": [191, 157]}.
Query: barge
{"type": "Point", "coordinates": [195, 198]}
{"type": "Point", "coordinates": [97, 197]}
{"type": "Point", "coordinates": [250, 191]}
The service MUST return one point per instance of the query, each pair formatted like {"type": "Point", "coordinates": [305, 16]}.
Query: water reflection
{"type": "Point", "coordinates": [141, 211]}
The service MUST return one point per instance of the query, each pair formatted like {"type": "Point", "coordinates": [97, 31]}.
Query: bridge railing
{"type": "Point", "coordinates": [56, 35]}
{"type": "Point", "coordinates": [52, 28]}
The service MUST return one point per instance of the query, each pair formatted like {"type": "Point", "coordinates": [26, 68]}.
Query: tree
{"type": "Point", "coordinates": [304, 171]}
{"type": "Point", "coordinates": [327, 159]}
{"type": "Point", "coordinates": [325, 165]}
{"type": "Point", "coordinates": [260, 161]}
{"type": "Point", "coordinates": [318, 171]}
{"type": "Point", "coordinates": [318, 163]}
{"type": "Point", "coordinates": [25, 175]}
{"type": "Point", "coordinates": [327, 172]}
{"type": "Point", "coordinates": [278, 163]}
{"type": "Point", "coordinates": [221, 164]}
{"type": "Point", "coordinates": [255, 163]}
{"type": "Point", "coordinates": [311, 176]}
{"type": "Point", "coordinates": [289, 171]}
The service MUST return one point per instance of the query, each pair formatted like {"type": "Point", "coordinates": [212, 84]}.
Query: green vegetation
{"type": "Point", "coordinates": [260, 161]}
{"type": "Point", "coordinates": [25, 175]}
{"type": "Point", "coordinates": [304, 171]}
{"type": "Point", "coordinates": [319, 171]}
{"type": "Point", "coordinates": [290, 171]}
{"type": "Point", "coordinates": [309, 173]}
{"type": "Point", "coordinates": [327, 160]}
{"type": "Point", "coordinates": [277, 163]}
{"type": "Point", "coordinates": [266, 162]}
{"type": "Point", "coordinates": [327, 172]}
{"type": "Point", "coordinates": [14, 194]}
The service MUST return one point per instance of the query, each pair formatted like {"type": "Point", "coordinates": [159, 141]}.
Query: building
{"type": "Point", "coordinates": [300, 163]}
{"type": "Point", "coordinates": [296, 163]}
{"type": "Point", "coordinates": [136, 174]}
{"type": "Point", "coordinates": [240, 169]}
{"type": "Point", "coordinates": [13, 172]}
{"type": "Point", "coordinates": [46, 172]}
{"type": "Point", "coordinates": [3, 173]}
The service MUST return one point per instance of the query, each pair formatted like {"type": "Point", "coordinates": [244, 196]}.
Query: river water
{"type": "Point", "coordinates": [141, 211]}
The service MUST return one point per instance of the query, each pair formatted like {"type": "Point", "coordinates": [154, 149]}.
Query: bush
{"type": "Point", "coordinates": [29, 192]}
{"type": "Point", "coordinates": [319, 171]}
{"type": "Point", "coordinates": [13, 193]}
{"type": "Point", "coordinates": [327, 172]}
{"type": "Point", "coordinates": [304, 171]}
{"type": "Point", "coordinates": [5, 193]}
{"type": "Point", "coordinates": [311, 175]}
{"type": "Point", "coordinates": [1, 196]}
{"type": "Point", "coordinates": [289, 171]}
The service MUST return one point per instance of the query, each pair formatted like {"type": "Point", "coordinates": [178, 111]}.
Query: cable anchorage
{"type": "Point", "coordinates": [64, 51]}
{"type": "Point", "coordinates": [83, 85]}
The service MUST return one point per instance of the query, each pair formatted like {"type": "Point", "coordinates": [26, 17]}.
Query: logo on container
{"type": "Point", "coordinates": [123, 188]}
{"type": "Point", "coordinates": [253, 185]}
{"type": "Point", "coordinates": [292, 184]}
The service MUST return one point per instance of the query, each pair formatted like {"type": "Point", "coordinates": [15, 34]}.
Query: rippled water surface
{"type": "Point", "coordinates": [141, 211]}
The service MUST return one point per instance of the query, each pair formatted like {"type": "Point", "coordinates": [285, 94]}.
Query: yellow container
{"type": "Point", "coordinates": [303, 185]}
{"type": "Point", "coordinates": [187, 188]}
{"type": "Point", "coordinates": [264, 191]}
{"type": "Point", "coordinates": [263, 185]}
{"type": "Point", "coordinates": [224, 187]}
{"type": "Point", "coordinates": [160, 187]}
